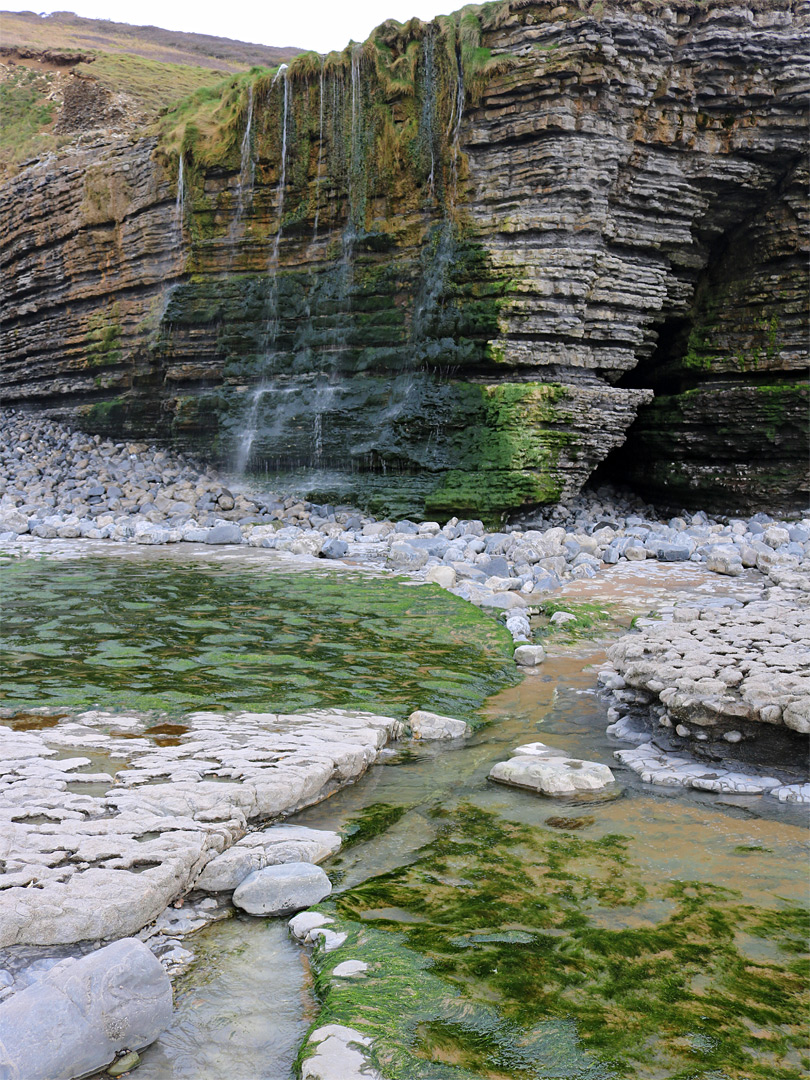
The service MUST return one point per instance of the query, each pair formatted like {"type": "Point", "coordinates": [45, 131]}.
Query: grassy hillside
{"type": "Point", "coordinates": [61, 75]}
{"type": "Point", "coordinates": [65, 31]}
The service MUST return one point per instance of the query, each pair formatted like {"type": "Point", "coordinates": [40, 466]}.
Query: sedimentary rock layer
{"type": "Point", "coordinates": [462, 254]}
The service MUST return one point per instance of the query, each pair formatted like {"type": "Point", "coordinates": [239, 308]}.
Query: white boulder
{"type": "Point", "coordinates": [428, 725]}
{"type": "Point", "coordinates": [550, 771]}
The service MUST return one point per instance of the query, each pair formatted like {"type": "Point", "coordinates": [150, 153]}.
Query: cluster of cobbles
{"type": "Point", "coordinates": [62, 484]}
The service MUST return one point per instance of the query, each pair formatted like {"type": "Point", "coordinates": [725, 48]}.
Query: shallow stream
{"type": "Point", "coordinates": [652, 933]}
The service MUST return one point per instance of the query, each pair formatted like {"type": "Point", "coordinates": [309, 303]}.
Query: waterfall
{"type": "Point", "coordinates": [272, 322]}
{"type": "Point", "coordinates": [428, 105]}
{"type": "Point", "coordinates": [320, 154]}
{"type": "Point", "coordinates": [356, 162]}
{"type": "Point", "coordinates": [250, 424]}
{"type": "Point", "coordinates": [179, 205]}
{"type": "Point", "coordinates": [247, 167]}
{"type": "Point", "coordinates": [249, 429]}
{"type": "Point", "coordinates": [282, 183]}
{"type": "Point", "coordinates": [458, 115]}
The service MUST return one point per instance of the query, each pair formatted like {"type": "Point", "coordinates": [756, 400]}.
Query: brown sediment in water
{"type": "Point", "coordinates": [32, 721]}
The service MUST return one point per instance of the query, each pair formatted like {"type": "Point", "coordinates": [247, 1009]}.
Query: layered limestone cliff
{"type": "Point", "coordinates": [446, 269]}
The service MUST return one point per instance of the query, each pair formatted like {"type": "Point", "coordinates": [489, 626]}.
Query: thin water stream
{"type": "Point", "coordinates": [242, 1012]}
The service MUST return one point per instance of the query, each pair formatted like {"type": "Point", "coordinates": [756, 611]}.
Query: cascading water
{"type": "Point", "coordinates": [326, 395]}
{"type": "Point", "coordinates": [247, 167]}
{"type": "Point", "coordinates": [320, 151]}
{"type": "Point", "coordinates": [334, 397]}
{"type": "Point", "coordinates": [250, 426]}
{"type": "Point", "coordinates": [179, 205]}
{"type": "Point", "coordinates": [356, 155]}
{"type": "Point", "coordinates": [428, 106]}
{"type": "Point", "coordinates": [282, 183]}
{"type": "Point", "coordinates": [457, 117]}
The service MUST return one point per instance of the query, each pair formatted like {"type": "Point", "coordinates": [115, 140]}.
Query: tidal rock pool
{"type": "Point", "coordinates": [491, 933]}
{"type": "Point", "coordinates": [170, 637]}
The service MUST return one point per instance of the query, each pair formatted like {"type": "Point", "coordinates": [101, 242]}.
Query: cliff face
{"type": "Point", "coordinates": [450, 265]}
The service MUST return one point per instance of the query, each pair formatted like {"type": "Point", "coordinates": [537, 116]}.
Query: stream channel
{"type": "Point", "coordinates": [654, 932]}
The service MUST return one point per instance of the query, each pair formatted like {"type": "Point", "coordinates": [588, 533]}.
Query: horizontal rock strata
{"type": "Point", "coordinates": [715, 669]}
{"type": "Point", "coordinates": [471, 286]}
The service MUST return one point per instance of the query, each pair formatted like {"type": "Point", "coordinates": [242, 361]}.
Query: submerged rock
{"type": "Point", "coordinates": [529, 655]}
{"type": "Point", "coordinates": [303, 925]}
{"type": "Point", "coordinates": [79, 1016]}
{"type": "Point", "coordinates": [282, 889]}
{"type": "Point", "coordinates": [550, 771]}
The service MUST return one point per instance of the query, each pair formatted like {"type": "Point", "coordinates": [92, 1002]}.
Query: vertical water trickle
{"type": "Point", "coordinates": [320, 153]}
{"type": "Point", "coordinates": [330, 379]}
{"type": "Point", "coordinates": [356, 157]}
{"type": "Point", "coordinates": [250, 425]}
{"type": "Point", "coordinates": [458, 115]}
{"type": "Point", "coordinates": [282, 183]}
{"type": "Point", "coordinates": [247, 166]}
{"type": "Point", "coordinates": [179, 205]}
{"type": "Point", "coordinates": [429, 106]}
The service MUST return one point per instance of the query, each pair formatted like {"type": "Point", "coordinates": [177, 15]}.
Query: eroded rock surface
{"type": "Point", "coordinates": [725, 669]}
{"type": "Point", "coordinates": [550, 771]}
{"type": "Point", "coordinates": [82, 866]}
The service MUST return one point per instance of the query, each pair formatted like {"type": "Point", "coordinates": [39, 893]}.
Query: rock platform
{"type": "Point", "coordinates": [80, 865]}
{"type": "Point", "coordinates": [716, 696]}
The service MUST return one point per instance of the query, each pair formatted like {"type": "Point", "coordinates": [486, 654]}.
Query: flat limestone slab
{"type": "Point", "coordinates": [550, 771]}
{"type": "Point", "coordinates": [80, 865]}
{"type": "Point", "coordinates": [279, 844]}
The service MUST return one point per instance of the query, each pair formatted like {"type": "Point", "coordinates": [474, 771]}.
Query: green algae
{"type": "Point", "coordinates": [496, 935]}
{"type": "Point", "coordinates": [590, 620]}
{"type": "Point", "coordinates": [171, 637]}
{"type": "Point", "coordinates": [371, 821]}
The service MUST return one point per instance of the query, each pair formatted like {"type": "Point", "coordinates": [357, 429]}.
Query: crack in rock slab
{"type": "Point", "coordinates": [78, 866]}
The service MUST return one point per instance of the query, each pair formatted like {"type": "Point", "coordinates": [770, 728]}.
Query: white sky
{"type": "Point", "coordinates": [308, 24]}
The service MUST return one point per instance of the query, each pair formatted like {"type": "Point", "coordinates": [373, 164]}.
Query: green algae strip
{"type": "Point", "coordinates": [500, 952]}
{"type": "Point", "coordinates": [100, 633]}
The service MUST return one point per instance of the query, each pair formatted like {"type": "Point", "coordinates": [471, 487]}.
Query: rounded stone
{"type": "Point", "coordinates": [429, 725]}
{"type": "Point", "coordinates": [78, 1017]}
{"type": "Point", "coordinates": [282, 889]}
{"type": "Point", "coordinates": [529, 655]}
